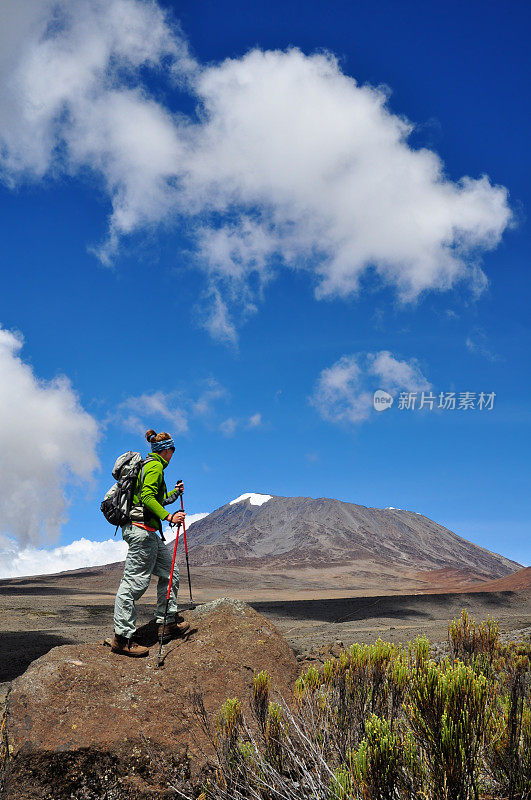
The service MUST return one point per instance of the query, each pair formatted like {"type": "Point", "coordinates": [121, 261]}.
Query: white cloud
{"type": "Point", "coordinates": [40, 561]}
{"type": "Point", "coordinates": [395, 374]}
{"type": "Point", "coordinates": [338, 395]}
{"type": "Point", "coordinates": [330, 169]}
{"type": "Point", "coordinates": [344, 391]}
{"type": "Point", "coordinates": [204, 405]}
{"type": "Point", "coordinates": [477, 342]}
{"type": "Point", "coordinates": [216, 316]}
{"type": "Point", "coordinates": [313, 170]}
{"type": "Point", "coordinates": [229, 426]}
{"type": "Point", "coordinates": [47, 440]}
{"type": "Point", "coordinates": [175, 408]}
{"type": "Point", "coordinates": [15, 562]}
{"type": "Point", "coordinates": [138, 413]}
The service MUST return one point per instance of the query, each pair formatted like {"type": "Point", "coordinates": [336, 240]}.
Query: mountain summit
{"type": "Point", "coordinates": [257, 530]}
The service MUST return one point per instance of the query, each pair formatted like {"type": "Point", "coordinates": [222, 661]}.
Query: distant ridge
{"type": "Point", "coordinates": [519, 581]}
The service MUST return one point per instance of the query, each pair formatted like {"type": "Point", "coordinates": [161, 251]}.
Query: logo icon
{"type": "Point", "coordinates": [382, 400]}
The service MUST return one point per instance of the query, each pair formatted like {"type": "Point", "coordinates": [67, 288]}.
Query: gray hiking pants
{"type": "Point", "coordinates": [147, 556]}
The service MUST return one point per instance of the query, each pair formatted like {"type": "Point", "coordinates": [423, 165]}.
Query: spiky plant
{"type": "Point", "coordinates": [449, 710]}
{"type": "Point", "coordinates": [308, 683]}
{"type": "Point", "coordinates": [376, 764]}
{"type": "Point", "coordinates": [229, 721]}
{"type": "Point", "coordinates": [509, 748]}
{"type": "Point", "coordinates": [260, 697]}
{"type": "Point", "coordinates": [418, 651]}
{"type": "Point", "coordinates": [474, 644]}
{"type": "Point", "coordinates": [275, 735]}
{"type": "Point", "coordinates": [398, 679]}
{"type": "Point", "coordinates": [342, 785]}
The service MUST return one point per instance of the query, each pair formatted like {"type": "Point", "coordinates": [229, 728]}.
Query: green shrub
{"type": "Point", "coordinates": [376, 765]}
{"type": "Point", "coordinates": [275, 735]}
{"type": "Point", "coordinates": [308, 683]}
{"type": "Point", "coordinates": [365, 680]}
{"type": "Point", "coordinates": [448, 711]}
{"type": "Point", "coordinates": [418, 651]}
{"type": "Point", "coordinates": [341, 785]}
{"type": "Point", "coordinates": [477, 645]}
{"type": "Point", "coordinates": [260, 697]}
{"type": "Point", "coordinates": [508, 757]}
{"type": "Point", "coordinates": [382, 722]}
{"type": "Point", "coordinates": [227, 740]}
{"type": "Point", "coordinates": [229, 719]}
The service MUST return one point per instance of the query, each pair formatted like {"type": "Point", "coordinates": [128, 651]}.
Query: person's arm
{"type": "Point", "coordinates": [172, 496]}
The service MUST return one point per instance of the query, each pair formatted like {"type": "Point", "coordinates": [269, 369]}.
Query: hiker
{"type": "Point", "coordinates": [147, 554]}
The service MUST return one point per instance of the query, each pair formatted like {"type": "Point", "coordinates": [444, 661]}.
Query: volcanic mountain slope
{"type": "Point", "coordinates": [287, 533]}
{"type": "Point", "coordinates": [516, 582]}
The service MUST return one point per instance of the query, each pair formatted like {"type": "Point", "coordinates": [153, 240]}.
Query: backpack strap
{"type": "Point", "coordinates": [141, 475]}
{"type": "Point", "coordinates": [141, 472]}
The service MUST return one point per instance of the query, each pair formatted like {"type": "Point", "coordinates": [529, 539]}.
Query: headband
{"type": "Point", "coordinates": [166, 444]}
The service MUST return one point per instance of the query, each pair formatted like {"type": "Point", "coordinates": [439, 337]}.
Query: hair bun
{"type": "Point", "coordinates": [150, 434]}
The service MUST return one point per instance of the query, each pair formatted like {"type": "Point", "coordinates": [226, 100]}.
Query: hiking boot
{"type": "Point", "coordinates": [127, 647]}
{"type": "Point", "coordinates": [173, 630]}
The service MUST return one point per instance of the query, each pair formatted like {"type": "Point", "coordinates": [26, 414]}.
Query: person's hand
{"type": "Point", "coordinates": [176, 519]}
{"type": "Point", "coordinates": [179, 487]}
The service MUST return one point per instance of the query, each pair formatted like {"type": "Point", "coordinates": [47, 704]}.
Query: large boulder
{"type": "Point", "coordinates": [84, 722]}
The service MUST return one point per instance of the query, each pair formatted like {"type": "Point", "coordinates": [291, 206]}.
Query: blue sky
{"type": "Point", "coordinates": [273, 398]}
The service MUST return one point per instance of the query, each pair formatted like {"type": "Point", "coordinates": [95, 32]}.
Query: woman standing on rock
{"type": "Point", "coordinates": [147, 554]}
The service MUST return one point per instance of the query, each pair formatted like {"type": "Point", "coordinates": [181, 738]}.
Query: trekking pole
{"type": "Point", "coordinates": [187, 562]}
{"type": "Point", "coordinates": [169, 593]}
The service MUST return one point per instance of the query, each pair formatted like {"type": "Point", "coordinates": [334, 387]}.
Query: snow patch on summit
{"type": "Point", "coordinates": [392, 508]}
{"type": "Point", "coordinates": [254, 499]}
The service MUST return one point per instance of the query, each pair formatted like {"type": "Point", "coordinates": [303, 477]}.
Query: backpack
{"type": "Point", "coordinates": [116, 505]}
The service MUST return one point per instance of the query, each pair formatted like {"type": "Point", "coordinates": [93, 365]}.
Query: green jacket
{"type": "Point", "coordinates": [150, 495]}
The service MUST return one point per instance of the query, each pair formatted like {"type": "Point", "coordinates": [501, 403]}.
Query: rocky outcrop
{"type": "Point", "coordinates": [83, 722]}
